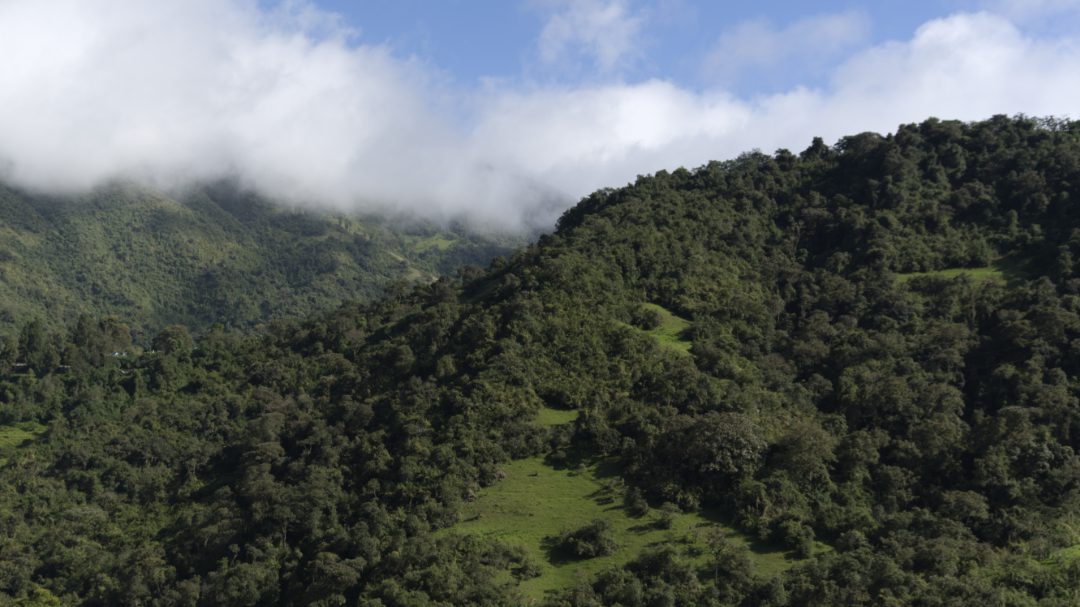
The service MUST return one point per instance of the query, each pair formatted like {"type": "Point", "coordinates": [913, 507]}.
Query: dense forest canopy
{"type": "Point", "coordinates": [865, 355]}
{"type": "Point", "coordinates": [212, 254]}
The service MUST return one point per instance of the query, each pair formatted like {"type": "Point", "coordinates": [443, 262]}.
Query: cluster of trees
{"type": "Point", "coordinates": [926, 428]}
{"type": "Point", "coordinates": [593, 539]}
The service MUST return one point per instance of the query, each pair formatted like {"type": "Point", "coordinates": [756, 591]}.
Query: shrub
{"type": "Point", "coordinates": [594, 539]}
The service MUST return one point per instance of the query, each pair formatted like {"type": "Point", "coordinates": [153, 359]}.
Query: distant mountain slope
{"type": "Point", "coordinates": [215, 255]}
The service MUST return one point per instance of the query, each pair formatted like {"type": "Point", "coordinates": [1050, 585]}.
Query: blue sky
{"type": "Point", "coordinates": [681, 41]}
{"type": "Point", "coordinates": [503, 113]}
{"type": "Point", "coordinates": [481, 39]}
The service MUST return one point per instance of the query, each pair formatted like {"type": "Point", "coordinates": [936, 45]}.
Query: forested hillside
{"type": "Point", "coordinates": [844, 376]}
{"type": "Point", "coordinates": [213, 255]}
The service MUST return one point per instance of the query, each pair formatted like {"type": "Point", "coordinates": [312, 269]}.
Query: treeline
{"type": "Point", "coordinates": [839, 388]}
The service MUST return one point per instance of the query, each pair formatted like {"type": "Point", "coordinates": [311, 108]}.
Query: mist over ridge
{"type": "Point", "coordinates": [295, 105]}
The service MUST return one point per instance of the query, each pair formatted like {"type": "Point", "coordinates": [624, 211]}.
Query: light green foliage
{"type": "Point", "coordinates": [438, 242]}
{"type": "Point", "coordinates": [536, 502]}
{"type": "Point", "coordinates": [39, 597]}
{"type": "Point", "coordinates": [213, 255]}
{"type": "Point", "coordinates": [1066, 555]}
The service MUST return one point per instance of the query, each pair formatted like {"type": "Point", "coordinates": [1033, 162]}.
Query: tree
{"type": "Point", "coordinates": [594, 539]}
{"type": "Point", "coordinates": [174, 340]}
{"type": "Point", "coordinates": [37, 349]}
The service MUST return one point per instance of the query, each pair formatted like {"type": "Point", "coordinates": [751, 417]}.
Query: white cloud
{"type": "Point", "coordinates": [606, 31]}
{"type": "Point", "coordinates": [965, 66]}
{"type": "Point", "coordinates": [968, 66]}
{"type": "Point", "coordinates": [196, 90]}
{"type": "Point", "coordinates": [804, 44]}
{"type": "Point", "coordinates": [175, 91]}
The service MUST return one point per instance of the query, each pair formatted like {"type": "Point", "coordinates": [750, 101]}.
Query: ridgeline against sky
{"type": "Point", "coordinates": [314, 107]}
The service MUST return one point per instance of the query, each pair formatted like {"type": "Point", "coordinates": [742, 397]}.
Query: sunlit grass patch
{"type": "Point", "coordinates": [13, 436]}
{"type": "Point", "coordinates": [671, 330]}
{"type": "Point", "coordinates": [1004, 271]}
{"type": "Point", "coordinates": [548, 416]}
{"type": "Point", "coordinates": [983, 274]}
{"type": "Point", "coordinates": [536, 502]}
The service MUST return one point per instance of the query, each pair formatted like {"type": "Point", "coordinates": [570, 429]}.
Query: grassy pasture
{"type": "Point", "coordinates": [1004, 271]}
{"type": "Point", "coordinates": [671, 331]}
{"type": "Point", "coordinates": [536, 501]}
{"type": "Point", "coordinates": [548, 416]}
{"type": "Point", "coordinates": [983, 274]}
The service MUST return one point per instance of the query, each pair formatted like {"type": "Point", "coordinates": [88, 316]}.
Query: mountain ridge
{"type": "Point", "coordinates": [862, 396]}
{"type": "Point", "coordinates": [212, 254]}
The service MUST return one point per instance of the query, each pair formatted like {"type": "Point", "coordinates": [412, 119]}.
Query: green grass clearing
{"type": "Point", "coordinates": [983, 274]}
{"type": "Point", "coordinates": [1004, 271]}
{"type": "Point", "coordinates": [671, 330]}
{"type": "Point", "coordinates": [536, 501]}
{"type": "Point", "coordinates": [13, 436]}
{"type": "Point", "coordinates": [548, 416]}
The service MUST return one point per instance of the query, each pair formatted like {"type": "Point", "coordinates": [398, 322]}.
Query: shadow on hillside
{"type": "Point", "coordinates": [755, 544]}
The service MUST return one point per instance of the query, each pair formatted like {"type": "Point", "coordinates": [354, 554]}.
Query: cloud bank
{"type": "Point", "coordinates": [288, 102]}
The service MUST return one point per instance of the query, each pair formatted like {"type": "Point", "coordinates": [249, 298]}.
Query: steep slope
{"type": "Point", "coordinates": [861, 417]}
{"type": "Point", "coordinates": [214, 255]}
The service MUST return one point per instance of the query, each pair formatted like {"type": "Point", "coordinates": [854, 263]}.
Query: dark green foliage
{"type": "Point", "coordinates": [666, 517]}
{"type": "Point", "coordinates": [173, 340]}
{"type": "Point", "coordinates": [635, 502]}
{"type": "Point", "coordinates": [645, 318]}
{"type": "Point", "coordinates": [594, 539]}
{"type": "Point", "coordinates": [37, 349]}
{"type": "Point", "coordinates": [918, 437]}
{"type": "Point", "coordinates": [657, 578]}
